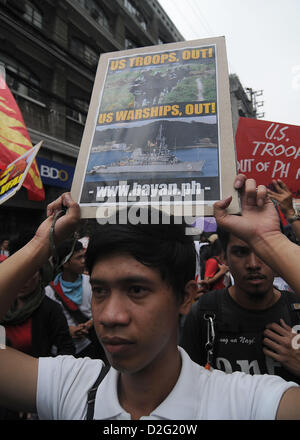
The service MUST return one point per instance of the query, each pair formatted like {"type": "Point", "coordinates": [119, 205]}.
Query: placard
{"type": "Point", "coordinates": [13, 176]}
{"type": "Point", "coordinates": [159, 131]}
{"type": "Point", "coordinates": [269, 150]}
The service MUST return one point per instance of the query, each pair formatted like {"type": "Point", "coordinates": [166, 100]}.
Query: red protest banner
{"type": "Point", "coordinates": [269, 150]}
{"type": "Point", "coordinates": [15, 141]}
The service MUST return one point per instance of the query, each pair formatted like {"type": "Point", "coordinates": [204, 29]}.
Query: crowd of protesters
{"type": "Point", "coordinates": [233, 315]}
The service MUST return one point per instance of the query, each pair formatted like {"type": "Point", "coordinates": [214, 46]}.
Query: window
{"type": "Point", "coordinates": [136, 13]}
{"type": "Point", "coordinates": [33, 15]}
{"type": "Point", "coordinates": [130, 7]}
{"type": "Point", "coordinates": [84, 51]}
{"type": "Point", "coordinates": [20, 79]}
{"type": "Point", "coordinates": [95, 12]}
{"type": "Point", "coordinates": [144, 25]}
{"type": "Point", "coordinates": [130, 44]}
{"type": "Point", "coordinates": [79, 111]}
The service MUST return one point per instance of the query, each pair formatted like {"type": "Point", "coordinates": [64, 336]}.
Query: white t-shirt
{"type": "Point", "coordinates": [199, 394]}
{"type": "Point", "coordinates": [85, 308]}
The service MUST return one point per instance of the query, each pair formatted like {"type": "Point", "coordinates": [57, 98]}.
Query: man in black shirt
{"type": "Point", "coordinates": [247, 327]}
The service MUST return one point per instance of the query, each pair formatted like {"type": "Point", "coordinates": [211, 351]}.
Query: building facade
{"type": "Point", "coordinates": [242, 103]}
{"type": "Point", "coordinates": [50, 50]}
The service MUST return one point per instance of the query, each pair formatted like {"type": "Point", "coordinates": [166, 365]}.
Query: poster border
{"type": "Point", "coordinates": [226, 154]}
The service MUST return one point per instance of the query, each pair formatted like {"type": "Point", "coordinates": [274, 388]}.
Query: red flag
{"type": "Point", "coordinates": [15, 141]}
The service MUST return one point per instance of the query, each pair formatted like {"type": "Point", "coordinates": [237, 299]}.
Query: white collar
{"type": "Point", "coordinates": [181, 403]}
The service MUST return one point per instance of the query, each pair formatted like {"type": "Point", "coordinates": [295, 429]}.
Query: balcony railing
{"type": "Point", "coordinates": [66, 124]}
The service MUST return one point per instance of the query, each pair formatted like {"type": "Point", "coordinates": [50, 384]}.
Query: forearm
{"type": "Point", "coordinates": [18, 268]}
{"type": "Point", "coordinates": [18, 380]}
{"type": "Point", "coordinates": [289, 406]}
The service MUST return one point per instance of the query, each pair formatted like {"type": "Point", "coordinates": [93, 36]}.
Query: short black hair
{"type": "Point", "coordinates": [65, 248]}
{"type": "Point", "coordinates": [224, 237]}
{"type": "Point", "coordinates": [216, 247]}
{"type": "Point", "coordinates": [164, 247]}
{"type": "Point", "coordinates": [204, 235]}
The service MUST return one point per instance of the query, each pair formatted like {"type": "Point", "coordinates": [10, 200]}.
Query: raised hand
{"type": "Point", "coordinates": [259, 216]}
{"type": "Point", "coordinates": [259, 226]}
{"type": "Point", "coordinates": [278, 341]}
{"type": "Point", "coordinates": [283, 196]}
{"type": "Point", "coordinates": [65, 224]}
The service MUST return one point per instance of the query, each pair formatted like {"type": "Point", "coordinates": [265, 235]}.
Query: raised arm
{"type": "Point", "coordinates": [259, 226]}
{"type": "Point", "coordinates": [18, 378]}
{"type": "Point", "coordinates": [15, 270]}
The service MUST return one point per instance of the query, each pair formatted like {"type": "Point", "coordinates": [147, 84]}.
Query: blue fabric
{"type": "Point", "coordinates": [72, 290]}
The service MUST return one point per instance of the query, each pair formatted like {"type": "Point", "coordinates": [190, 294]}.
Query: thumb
{"type": "Point", "coordinates": [220, 209]}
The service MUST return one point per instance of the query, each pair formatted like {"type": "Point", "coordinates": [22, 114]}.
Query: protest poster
{"type": "Point", "coordinates": [13, 176]}
{"type": "Point", "coordinates": [158, 131]}
{"type": "Point", "coordinates": [269, 150]}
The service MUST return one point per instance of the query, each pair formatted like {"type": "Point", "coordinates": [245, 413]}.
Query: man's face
{"type": "Point", "coordinates": [76, 264]}
{"type": "Point", "coordinates": [251, 275]}
{"type": "Point", "coordinates": [135, 313]}
{"type": "Point", "coordinates": [5, 244]}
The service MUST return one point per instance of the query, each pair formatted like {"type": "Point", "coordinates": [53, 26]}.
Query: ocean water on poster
{"type": "Point", "coordinates": [209, 155]}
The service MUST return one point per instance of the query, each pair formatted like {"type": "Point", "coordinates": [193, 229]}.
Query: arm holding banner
{"type": "Point", "coordinates": [15, 270]}
{"type": "Point", "coordinates": [18, 391]}
{"type": "Point", "coordinates": [259, 227]}
{"type": "Point", "coordinates": [284, 197]}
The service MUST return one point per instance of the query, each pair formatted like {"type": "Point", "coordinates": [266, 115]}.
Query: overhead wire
{"type": "Point", "coordinates": [185, 17]}
{"type": "Point", "coordinates": [192, 9]}
{"type": "Point", "coordinates": [194, 5]}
